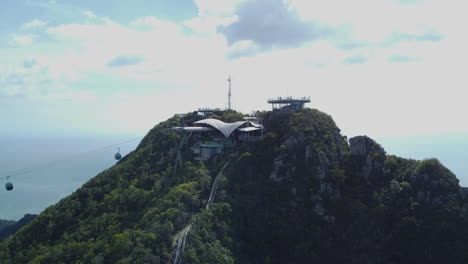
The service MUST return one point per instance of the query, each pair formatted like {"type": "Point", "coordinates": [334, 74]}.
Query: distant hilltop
{"type": "Point", "coordinates": [8, 228]}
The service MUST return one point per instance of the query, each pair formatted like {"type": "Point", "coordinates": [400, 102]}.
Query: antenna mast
{"type": "Point", "coordinates": [229, 94]}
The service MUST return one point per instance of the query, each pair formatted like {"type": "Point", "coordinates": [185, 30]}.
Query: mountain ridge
{"type": "Point", "coordinates": [5, 223]}
{"type": "Point", "coordinates": [302, 194]}
{"type": "Point", "coordinates": [13, 226]}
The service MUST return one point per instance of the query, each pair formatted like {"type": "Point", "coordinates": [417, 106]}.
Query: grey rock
{"type": "Point", "coordinates": [308, 153]}
{"type": "Point", "coordinates": [420, 196]}
{"type": "Point", "coordinates": [368, 168]}
{"type": "Point", "coordinates": [278, 163]}
{"type": "Point", "coordinates": [425, 178]}
{"type": "Point", "coordinates": [316, 197]}
{"type": "Point", "coordinates": [328, 218]}
{"type": "Point", "coordinates": [437, 200]}
{"type": "Point", "coordinates": [322, 168]}
{"type": "Point", "coordinates": [358, 145]}
{"type": "Point", "coordinates": [370, 154]}
{"type": "Point", "coordinates": [319, 209]}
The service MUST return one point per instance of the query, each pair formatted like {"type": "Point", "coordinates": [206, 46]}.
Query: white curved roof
{"type": "Point", "coordinates": [256, 125]}
{"type": "Point", "coordinates": [225, 128]}
{"type": "Point", "coordinates": [195, 129]}
{"type": "Point", "coordinates": [249, 129]}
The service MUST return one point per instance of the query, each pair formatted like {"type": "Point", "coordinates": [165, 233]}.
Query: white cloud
{"type": "Point", "coordinates": [87, 96]}
{"type": "Point", "coordinates": [372, 22]}
{"type": "Point", "coordinates": [36, 23]}
{"type": "Point", "coordinates": [175, 70]}
{"type": "Point", "coordinates": [242, 49]}
{"type": "Point", "coordinates": [164, 52]}
{"type": "Point", "coordinates": [220, 8]}
{"type": "Point", "coordinates": [208, 25]}
{"type": "Point", "coordinates": [125, 60]}
{"type": "Point", "coordinates": [152, 23]}
{"type": "Point", "coordinates": [89, 14]}
{"type": "Point", "coordinates": [35, 81]}
{"type": "Point", "coordinates": [273, 24]}
{"type": "Point", "coordinates": [22, 40]}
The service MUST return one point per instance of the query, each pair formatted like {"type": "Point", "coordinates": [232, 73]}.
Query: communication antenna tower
{"type": "Point", "coordinates": [229, 94]}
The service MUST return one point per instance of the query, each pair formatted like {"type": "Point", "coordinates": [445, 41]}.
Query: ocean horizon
{"type": "Point", "coordinates": [78, 159]}
{"type": "Point", "coordinates": [55, 168]}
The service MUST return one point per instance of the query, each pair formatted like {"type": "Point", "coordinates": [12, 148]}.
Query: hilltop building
{"type": "Point", "coordinates": [213, 136]}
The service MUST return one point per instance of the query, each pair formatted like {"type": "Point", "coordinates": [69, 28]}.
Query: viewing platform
{"type": "Point", "coordinates": [289, 102]}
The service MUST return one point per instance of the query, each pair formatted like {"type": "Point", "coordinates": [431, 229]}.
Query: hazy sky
{"type": "Point", "coordinates": [379, 67]}
{"type": "Point", "coordinates": [391, 69]}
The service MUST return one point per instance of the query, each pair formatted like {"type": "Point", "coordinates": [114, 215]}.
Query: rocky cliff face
{"type": "Point", "coordinates": [320, 199]}
{"type": "Point", "coordinates": [303, 157]}
{"type": "Point", "coordinates": [369, 156]}
{"type": "Point", "coordinates": [301, 195]}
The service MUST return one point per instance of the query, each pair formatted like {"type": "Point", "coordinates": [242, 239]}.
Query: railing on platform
{"type": "Point", "coordinates": [289, 98]}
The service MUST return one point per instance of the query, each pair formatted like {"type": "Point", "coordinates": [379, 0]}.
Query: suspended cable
{"type": "Point", "coordinates": [55, 162]}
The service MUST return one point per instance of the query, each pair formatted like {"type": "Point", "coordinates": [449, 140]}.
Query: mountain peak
{"type": "Point", "coordinates": [298, 193]}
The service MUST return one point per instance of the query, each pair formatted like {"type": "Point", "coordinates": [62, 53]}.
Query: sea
{"type": "Point", "coordinates": [51, 168]}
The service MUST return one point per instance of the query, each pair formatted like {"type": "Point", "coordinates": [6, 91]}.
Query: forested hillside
{"type": "Point", "coordinates": [10, 227]}
{"type": "Point", "coordinates": [303, 194]}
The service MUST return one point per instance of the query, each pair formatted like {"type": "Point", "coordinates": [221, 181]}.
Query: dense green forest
{"type": "Point", "coordinates": [303, 194]}
{"type": "Point", "coordinates": [8, 228]}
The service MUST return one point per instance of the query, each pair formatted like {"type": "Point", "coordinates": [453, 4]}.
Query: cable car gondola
{"type": "Point", "coordinates": [117, 155]}
{"type": "Point", "coordinates": [9, 185]}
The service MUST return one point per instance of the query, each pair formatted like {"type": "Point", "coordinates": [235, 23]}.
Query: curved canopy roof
{"type": "Point", "coordinates": [225, 128]}
{"type": "Point", "coordinates": [195, 129]}
{"type": "Point", "coordinates": [249, 129]}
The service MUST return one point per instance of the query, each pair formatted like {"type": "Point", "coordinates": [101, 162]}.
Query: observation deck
{"type": "Point", "coordinates": [296, 103]}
